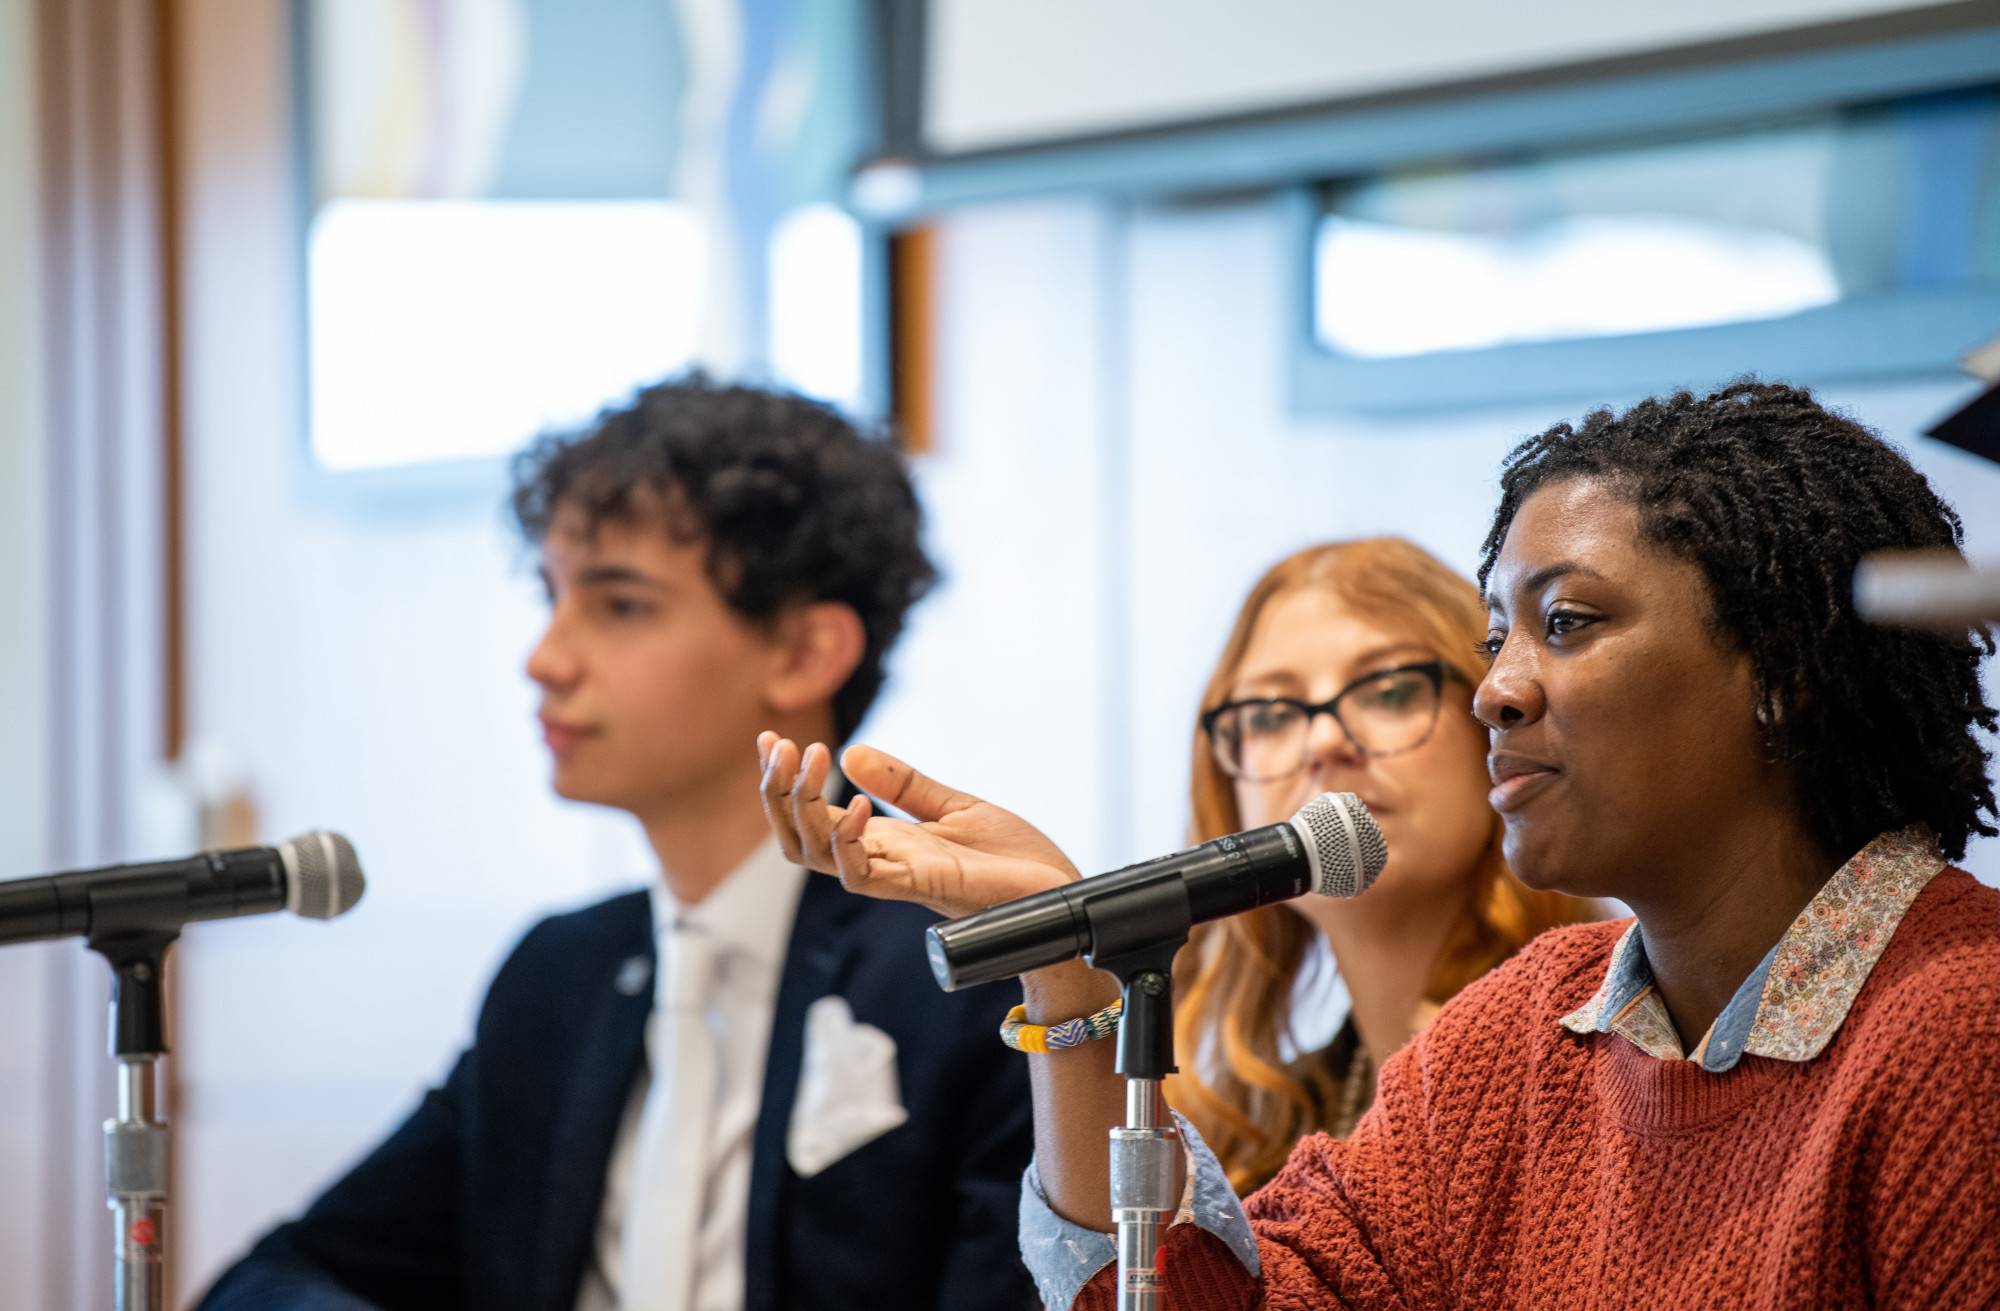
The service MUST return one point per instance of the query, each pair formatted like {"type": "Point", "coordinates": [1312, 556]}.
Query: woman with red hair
{"type": "Point", "coordinates": [1350, 668]}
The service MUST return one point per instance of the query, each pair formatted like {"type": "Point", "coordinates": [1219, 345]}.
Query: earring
{"type": "Point", "coordinates": [1770, 715]}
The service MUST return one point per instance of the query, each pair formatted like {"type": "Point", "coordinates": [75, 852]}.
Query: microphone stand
{"type": "Point", "coordinates": [1134, 935]}
{"type": "Point", "coordinates": [136, 1142]}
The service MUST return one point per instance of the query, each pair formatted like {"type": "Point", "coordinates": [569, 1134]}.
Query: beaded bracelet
{"type": "Point", "coordinates": [1022, 1036]}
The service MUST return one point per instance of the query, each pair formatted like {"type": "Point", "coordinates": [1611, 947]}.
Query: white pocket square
{"type": "Point", "coordinates": [848, 1090]}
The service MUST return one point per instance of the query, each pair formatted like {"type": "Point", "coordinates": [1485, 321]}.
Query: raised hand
{"type": "Point", "coordinates": [961, 855]}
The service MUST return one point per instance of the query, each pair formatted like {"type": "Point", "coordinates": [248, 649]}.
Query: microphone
{"type": "Point", "coordinates": [315, 875]}
{"type": "Point", "coordinates": [1937, 590]}
{"type": "Point", "coordinates": [1331, 847]}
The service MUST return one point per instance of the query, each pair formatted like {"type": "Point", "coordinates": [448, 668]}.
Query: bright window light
{"type": "Point", "coordinates": [443, 330]}
{"type": "Point", "coordinates": [1386, 291]}
{"type": "Point", "coordinates": [816, 310]}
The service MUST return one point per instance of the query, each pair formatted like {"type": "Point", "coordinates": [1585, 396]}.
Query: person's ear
{"type": "Point", "coordinates": [818, 648]}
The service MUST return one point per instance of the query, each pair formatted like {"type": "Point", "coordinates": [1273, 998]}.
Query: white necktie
{"type": "Point", "coordinates": [670, 1172]}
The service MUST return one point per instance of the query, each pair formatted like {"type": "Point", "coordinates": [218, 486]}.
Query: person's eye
{"type": "Point", "coordinates": [1488, 647]}
{"type": "Point", "coordinates": [1393, 693]}
{"type": "Point", "coordinates": [1268, 717]}
{"type": "Point", "coordinates": [626, 607]}
{"type": "Point", "coordinates": [1563, 623]}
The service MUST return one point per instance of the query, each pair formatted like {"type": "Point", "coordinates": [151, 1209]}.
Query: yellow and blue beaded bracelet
{"type": "Point", "coordinates": [1022, 1036]}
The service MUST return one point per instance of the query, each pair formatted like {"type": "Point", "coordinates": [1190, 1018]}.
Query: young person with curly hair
{"type": "Point", "coordinates": [1775, 1087]}
{"type": "Point", "coordinates": [687, 1097]}
{"type": "Point", "coordinates": [1350, 668]}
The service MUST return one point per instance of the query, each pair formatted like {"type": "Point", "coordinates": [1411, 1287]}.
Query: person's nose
{"type": "Point", "coordinates": [1328, 747]}
{"type": "Point", "coordinates": [553, 663]}
{"type": "Point", "coordinates": [1511, 694]}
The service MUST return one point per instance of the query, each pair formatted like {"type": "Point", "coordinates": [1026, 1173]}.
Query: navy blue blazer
{"type": "Point", "coordinates": [487, 1198]}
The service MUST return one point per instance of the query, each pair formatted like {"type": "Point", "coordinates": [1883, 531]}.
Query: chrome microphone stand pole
{"type": "Point", "coordinates": [1134, 936]}
{"type": "Point", "coordinates": [136, 1141]}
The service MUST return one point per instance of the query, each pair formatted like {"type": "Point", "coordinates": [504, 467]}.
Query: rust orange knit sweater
{"type": "Point", "coordinates": [1510, 1163]}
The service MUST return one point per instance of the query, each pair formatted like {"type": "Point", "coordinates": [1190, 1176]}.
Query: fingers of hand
{"type": "Point", "coordinates": [901, 786]}
{"type": "Point", "coordinates": [813, 769]}
{"type": "Point", "coordinates": [850, 853]}
{"type": "Point", "coordinates": [780, 769]}
{"type": "Point", "coordinates": [812, 818]}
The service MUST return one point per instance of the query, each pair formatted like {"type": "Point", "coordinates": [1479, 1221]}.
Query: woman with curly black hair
{"type": "Point", "coordinates": [1776, 1086]}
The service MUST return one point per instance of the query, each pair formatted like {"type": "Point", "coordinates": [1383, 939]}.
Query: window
{"type": "Point", "coordinates": [1847, 241]}
{"type": "Point", "coordinates": [517, 213]}
{"type": "Point", "coordinates": [445, 330]}
{"type": "Point", "coordinates": [817, 305]}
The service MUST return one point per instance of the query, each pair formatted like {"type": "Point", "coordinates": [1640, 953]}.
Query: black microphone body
{"type": "Point", "coordinates": [1226, 876]}
{"type": "Point", "coordinates": [1236, 873]}
{"type": "Point", "coordinates": [315, 875]}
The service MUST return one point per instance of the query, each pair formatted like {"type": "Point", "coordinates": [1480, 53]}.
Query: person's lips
{"type": "Point", "coordinates": [1517, 780]}
{"type": "Point", "coordinates": [562, 737]}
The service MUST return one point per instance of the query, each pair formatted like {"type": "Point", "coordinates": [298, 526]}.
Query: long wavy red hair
{"type": "Point", "coordinates": [1236, 1001]}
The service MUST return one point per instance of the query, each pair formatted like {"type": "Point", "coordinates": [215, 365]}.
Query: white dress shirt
{"type": "Point", "coordinates": [749, 919]}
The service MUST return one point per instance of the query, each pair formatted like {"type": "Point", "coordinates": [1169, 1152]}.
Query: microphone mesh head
{"type": "Point", "coordinates": [1344, 847]}
{"type": "Point", "coordinates": [326, 875]}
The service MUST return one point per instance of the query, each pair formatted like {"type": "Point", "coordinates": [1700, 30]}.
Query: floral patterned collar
{"type": "Point", "coordinates": [1794, 1001]}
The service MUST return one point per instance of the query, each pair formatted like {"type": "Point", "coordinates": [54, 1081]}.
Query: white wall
{"type": "Point", "coordinates": [29, 1006]}
{"type": "Point", "coordinates": [1021, 503]}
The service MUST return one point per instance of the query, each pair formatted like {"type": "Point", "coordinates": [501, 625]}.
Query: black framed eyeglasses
{"type": "Point", "coordinates": [1263, 739]}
